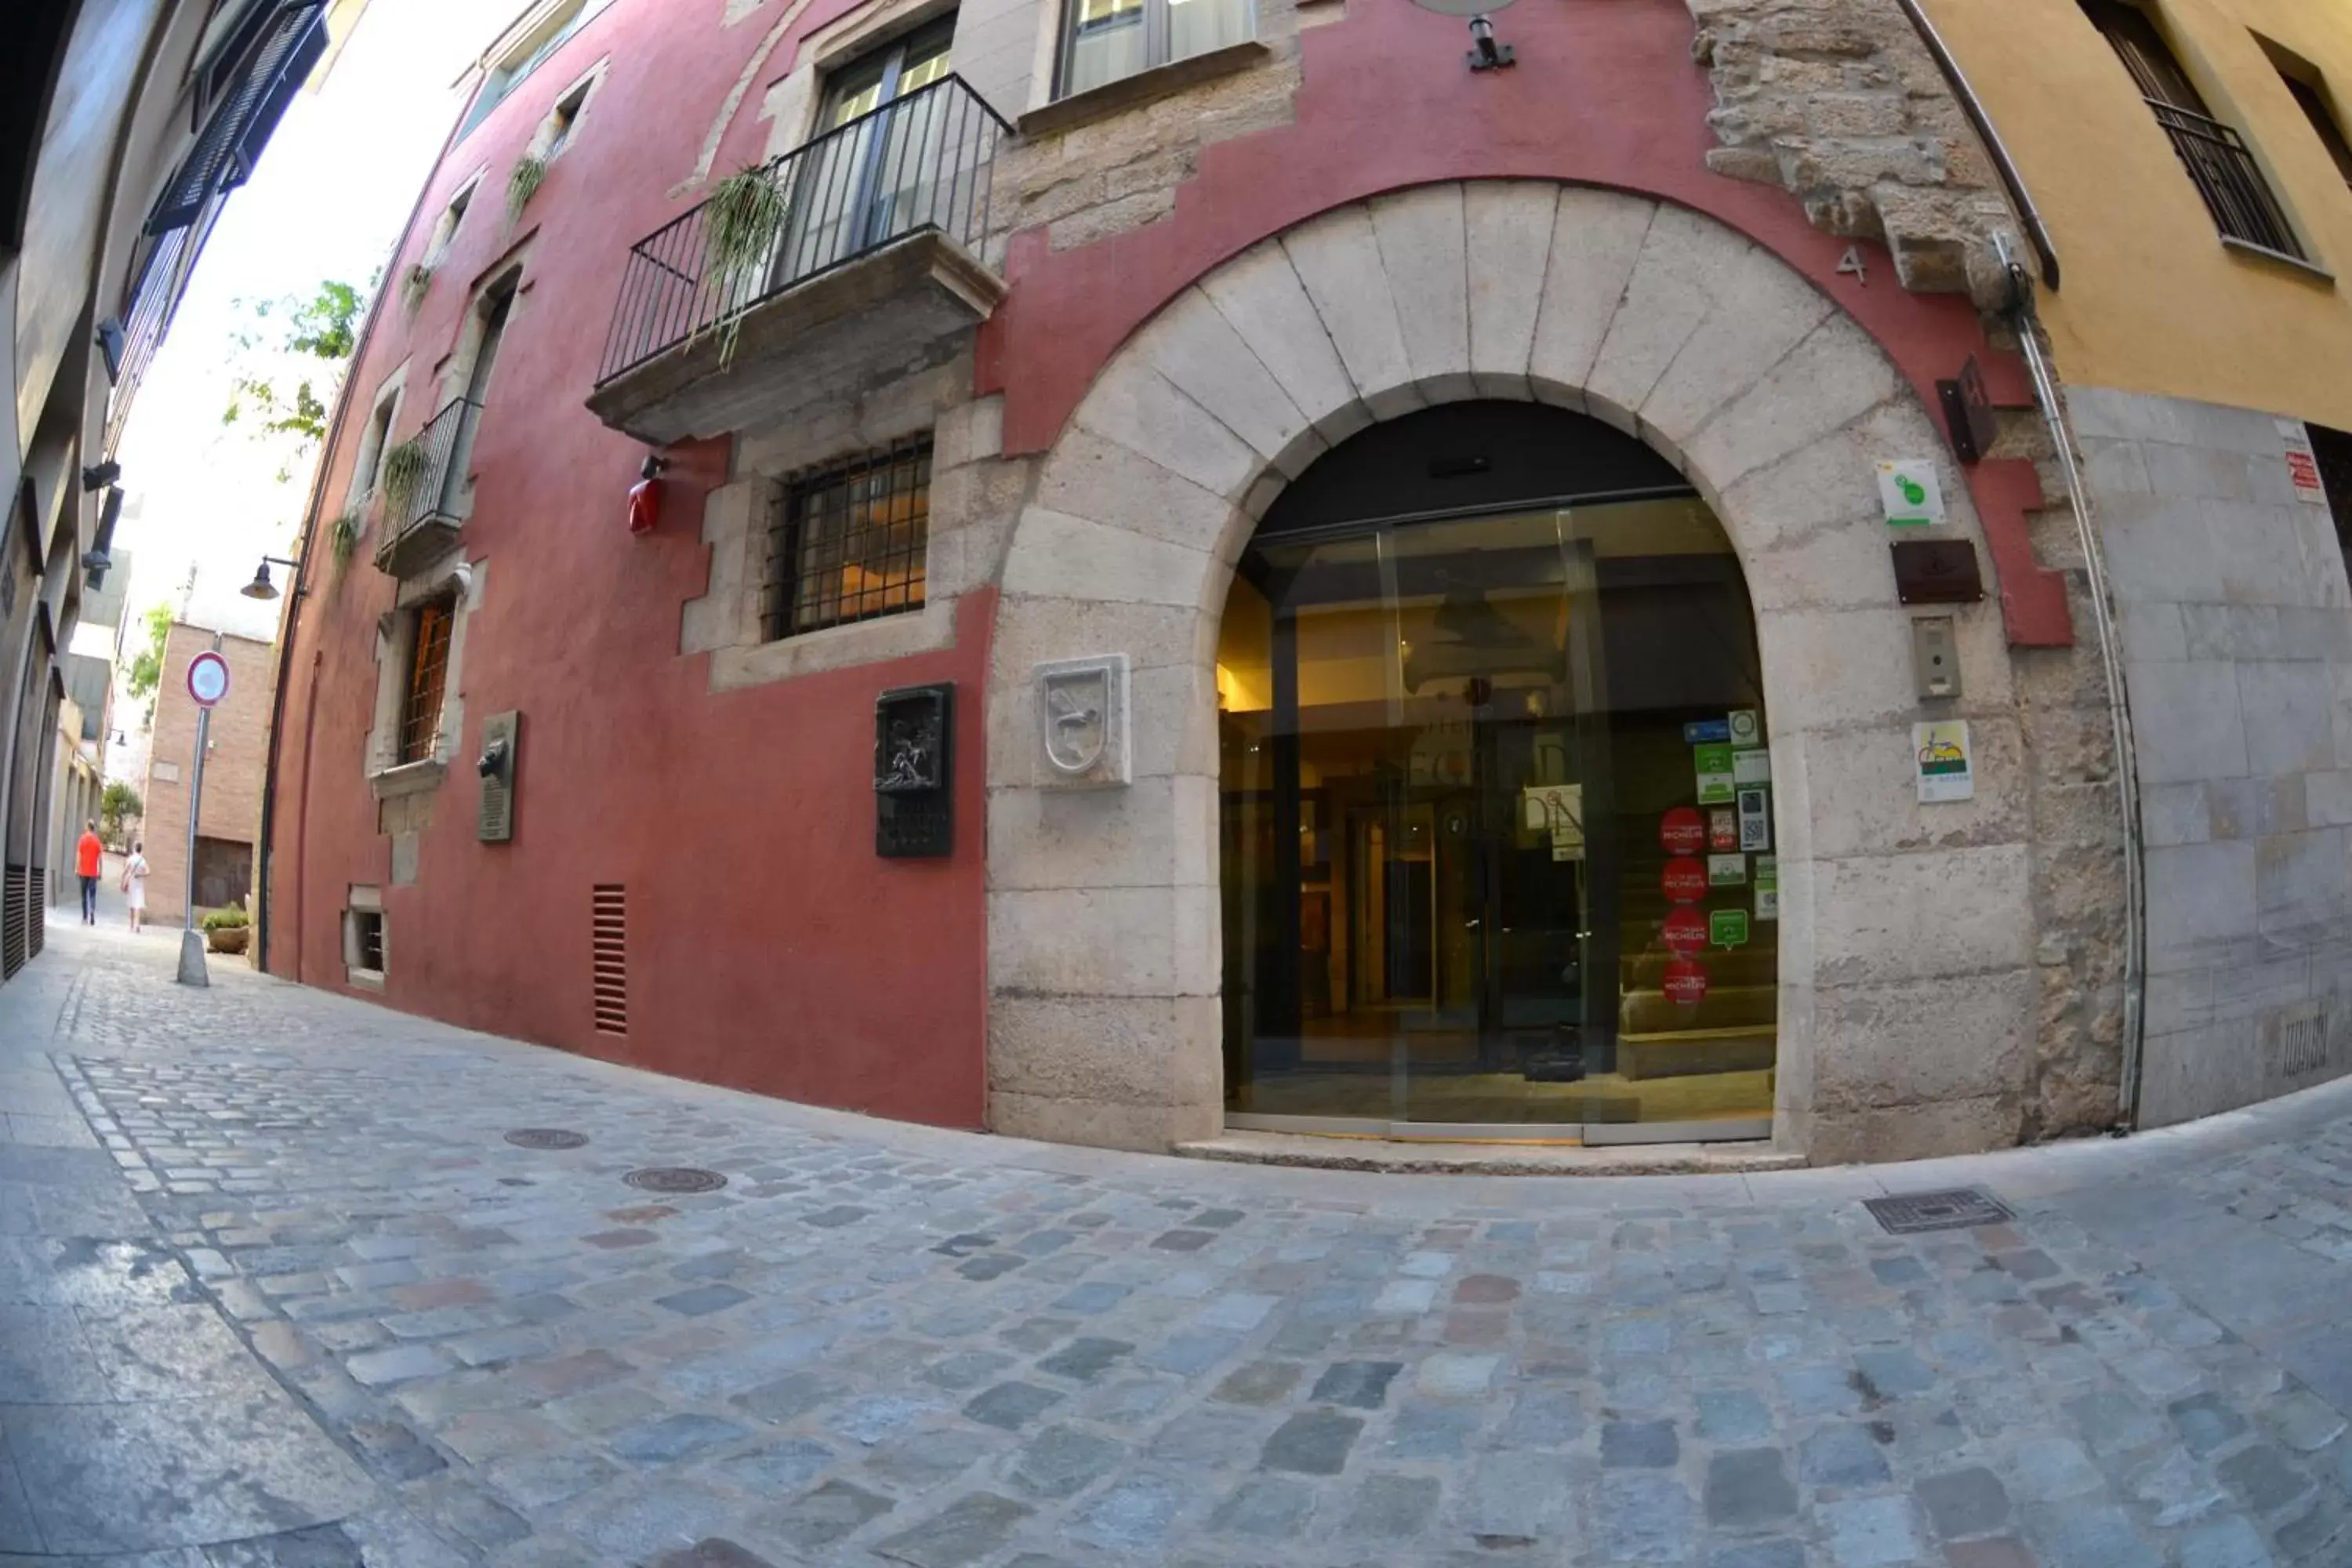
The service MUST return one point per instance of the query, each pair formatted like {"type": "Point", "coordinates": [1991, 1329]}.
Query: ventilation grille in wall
{"type": "Point", "coordinates": [610, 940]}
{"type": "Point", "coordinates": [36, 904]}
{"type": "Point", "coordinates": [13, 934]}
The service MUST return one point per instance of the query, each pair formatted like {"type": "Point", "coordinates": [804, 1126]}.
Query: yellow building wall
{"type": "Point", "coordinates": [2150, 299]}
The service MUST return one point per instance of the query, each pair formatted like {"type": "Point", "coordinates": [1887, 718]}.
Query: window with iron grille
{"type": "Point", "coordinates": [428, 671]}
{"type": "Point", "coordinates": [2219, 162]}
{"type": "Point", "coordinates": [847, 539]}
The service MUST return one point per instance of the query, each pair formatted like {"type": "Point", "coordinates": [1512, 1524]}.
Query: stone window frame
{"type": "Point", "coordinates": [967, 438]}
{"type": "Point", "coordinates": [364, 900]}
{"type": "Point", "coordinates": [516, 56]}
{"type": "Point", "coordinates": [790, 102]}
{"type": "Point", "coordinates": [454, 373]}
{"type": "Point", "coordinates": [375, 437]}
{"type": "Point", "coordinates": [452, 218]}
{"type": "Point", "coordinates": [552, 139]}
{"type": "Point", "coordinates": [452, 577]}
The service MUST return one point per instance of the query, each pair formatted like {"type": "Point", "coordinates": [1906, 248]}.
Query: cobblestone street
{"type": "Point", "coordinates": [275, 1289]}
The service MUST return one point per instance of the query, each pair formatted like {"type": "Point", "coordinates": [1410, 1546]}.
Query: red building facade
{"type": "Point", "coordinates": [1057, 454]}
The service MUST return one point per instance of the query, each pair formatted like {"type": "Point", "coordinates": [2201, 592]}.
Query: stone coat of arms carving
{"type": "Point", "coordinates": [1082, 722]}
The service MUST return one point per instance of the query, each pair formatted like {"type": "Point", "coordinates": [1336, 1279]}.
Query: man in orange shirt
{"type": "Point", "coordinates": [89, 858]}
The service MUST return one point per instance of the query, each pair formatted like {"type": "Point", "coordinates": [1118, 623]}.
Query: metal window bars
{"type": "Point", "coordinates": [2224, 170]}
{"type": "Point", "coordinates": [428, 671]}
{"type": "Point", "coordinates": [918, 163]}
{"type": "Point", "coordinates": [848, 540]}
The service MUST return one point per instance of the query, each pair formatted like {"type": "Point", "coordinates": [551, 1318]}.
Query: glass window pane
{"type": "Point", "coordinates": [1196, 27]}
{"type": "Point", "coordinates": [1106, 42]}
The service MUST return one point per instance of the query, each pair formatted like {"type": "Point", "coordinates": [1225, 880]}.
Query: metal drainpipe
{"type": "Point", "coordinates": [2045, 391]}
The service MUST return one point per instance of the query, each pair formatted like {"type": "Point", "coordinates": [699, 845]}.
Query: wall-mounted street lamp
{"type": "Point", "coordinates": [1485, 54]}
{"type": "Point", "coordinates": [261, 587]}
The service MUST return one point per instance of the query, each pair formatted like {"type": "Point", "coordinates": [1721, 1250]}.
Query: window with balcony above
{"type": "Point", "coordinates": [2218, 160]}
{"type": "Point", "coordinates": [426, 679]}
{"type": "Point", "coordinates": [1104, 40]}
{"type": "Point", "coordinates": [847, 543]}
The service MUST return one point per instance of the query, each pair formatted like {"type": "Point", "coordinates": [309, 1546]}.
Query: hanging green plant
{"type": "Point", "coordinates": [742, 224]}
{"type": "Point", "coordinates": [403, 479]}
{"type": "Point", "coordinates": [343, 537]}
{"type": "Point", "coordinates": [522, 182]}
{"type": "Point", "coordinates": [413, 285]}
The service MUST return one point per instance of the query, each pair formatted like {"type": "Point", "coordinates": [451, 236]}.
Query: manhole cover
{"type": "Point", "coordinates": [546, 1138]}
{"type": "Point", "coordinates": [1908, 1214]}
{"type": "Point", "coordinates": [676, 1179]}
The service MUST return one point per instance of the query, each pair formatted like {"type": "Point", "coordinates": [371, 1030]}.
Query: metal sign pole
{"type": "Point", "coordinates": [192, 942]}
{"type": "Point", "coordinates": [192, 945]}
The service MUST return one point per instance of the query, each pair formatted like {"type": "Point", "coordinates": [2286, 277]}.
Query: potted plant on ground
{"type": "Point", "coordinates": [226, 931]}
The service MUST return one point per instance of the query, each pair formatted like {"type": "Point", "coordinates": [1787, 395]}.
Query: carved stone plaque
{"type": "Point", "coordinates": [1082, 722]}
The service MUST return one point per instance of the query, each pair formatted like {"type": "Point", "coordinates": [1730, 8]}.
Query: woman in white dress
{"type": "Point", "coordinates": [135, 883]}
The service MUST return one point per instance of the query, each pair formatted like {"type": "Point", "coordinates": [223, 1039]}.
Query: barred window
{"type": "Point", "coordinates": [847, 539]}
{"type": "Point", "coordinates": [428, 672]}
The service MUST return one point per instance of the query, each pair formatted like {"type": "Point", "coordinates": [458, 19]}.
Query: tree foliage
{"type": "Point", "coordinates": [146, 670]}
{"type": "Point", "coordinates": [291, 354]}
{"type": "Point", "coordinates": [117, 805]}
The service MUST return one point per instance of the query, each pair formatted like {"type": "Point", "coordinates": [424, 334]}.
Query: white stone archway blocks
{"type": "Point", "coordinates": [1105, 955]}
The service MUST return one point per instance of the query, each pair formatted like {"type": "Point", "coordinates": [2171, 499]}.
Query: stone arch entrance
{"type": "Point", "coordinates": [1899, 932]}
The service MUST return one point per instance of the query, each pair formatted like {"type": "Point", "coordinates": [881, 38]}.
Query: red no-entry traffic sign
{"type": "Point", "coordinates": [207, 679]}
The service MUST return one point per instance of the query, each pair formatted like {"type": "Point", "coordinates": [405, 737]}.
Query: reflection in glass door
{"type": "Point", "coordinates": [1451, 754]}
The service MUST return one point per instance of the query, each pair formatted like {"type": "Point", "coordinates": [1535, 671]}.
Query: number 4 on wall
{"type": "Point", "coordinates": [1851, 262]}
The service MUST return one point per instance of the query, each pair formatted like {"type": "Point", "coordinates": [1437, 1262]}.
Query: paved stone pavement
{"type": "Point", "coordinates": [274, 1290]}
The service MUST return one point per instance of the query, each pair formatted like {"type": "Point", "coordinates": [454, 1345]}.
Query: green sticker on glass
{"type": "Point", "coordinates": [1714, 767]}
{"type": "Point", "coordinates": [1727, 928]}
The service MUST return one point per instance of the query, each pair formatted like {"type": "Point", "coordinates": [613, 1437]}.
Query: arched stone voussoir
{"type": "Point", "coordinates": [1671, 327]}
{"type": "Point", "coordinates": [1197, 351]}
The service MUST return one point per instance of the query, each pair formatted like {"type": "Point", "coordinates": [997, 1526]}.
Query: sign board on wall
{"type": "Point", "coordinates": [1728, 928]}
{"type": "Point", "coordinates": [1755, 819]}
{"type": "Point", "coordinates": [2302, 465]}
{"type": "Point", "coordinates": [1909, 493]}
{"type": "Point", "coordinates": [1768, 887]}
{"type": "Point", "coordinates": [1946, 767]}
{"type": "Point", "coordinates": [1726, 871]}
{"type": "Point", "coordinates": [1712, 763]}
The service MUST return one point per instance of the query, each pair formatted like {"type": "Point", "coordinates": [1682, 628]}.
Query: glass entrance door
{"type": "Point", "coordinates": [1446, 907]}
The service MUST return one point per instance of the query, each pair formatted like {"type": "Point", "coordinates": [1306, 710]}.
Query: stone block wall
{"type": "Point", "coordinates": [1119, 170]}
{"type": "Point", "coordinates": [2236, 622]}
{"type": "Point", "coordinates": [1841, 105]}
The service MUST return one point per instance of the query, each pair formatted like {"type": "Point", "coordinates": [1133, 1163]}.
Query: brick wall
{"type": "Point", "coordinates": [233, 769]}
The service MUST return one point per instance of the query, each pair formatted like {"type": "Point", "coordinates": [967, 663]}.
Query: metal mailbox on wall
{"type": "Point", "coordinates": [913, 748]}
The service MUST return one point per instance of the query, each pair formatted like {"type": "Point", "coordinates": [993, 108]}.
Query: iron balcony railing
{"type": "Point", "coordinates": [443, 443]}
{"type": "Point", "coordinates": [2229, 179]}
{"type": "Point", "coordinates": [920, 162]}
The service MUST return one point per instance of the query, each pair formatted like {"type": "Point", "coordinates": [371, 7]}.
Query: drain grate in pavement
{"type": "Point", "coordinates": [676, 1179]}
{"type": "Point", "coordinates": [546, 1138]}
{"type": "Point", "coordinates": [1909, 1214]}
